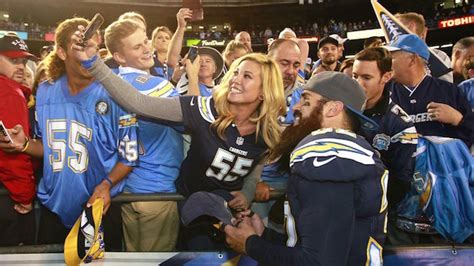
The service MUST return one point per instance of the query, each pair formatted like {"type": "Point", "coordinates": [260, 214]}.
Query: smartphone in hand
{"type": "Point", "coordinates": [4, 132]}
{"type": "Point", "coordinates": [93, 27]}
{"type": "Point", "coordinates": [196, 8]}
{"type": "Point", "coordinates": [192, 54]}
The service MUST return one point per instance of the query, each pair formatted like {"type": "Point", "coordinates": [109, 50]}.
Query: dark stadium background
{"type": "Point", "coordinates": [240, 15]}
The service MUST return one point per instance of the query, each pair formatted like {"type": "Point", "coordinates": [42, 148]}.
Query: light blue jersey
{"type": "Point", "coordinates": [160, 146]}
{"type": "Point", "coordinates": [467, 87]}
{"type": "Point", "coordinates": [205, 91]}
{"type": "Point", "coordinates": [442, 187]}
{"type": "Point", "coordinates": [84, 136]}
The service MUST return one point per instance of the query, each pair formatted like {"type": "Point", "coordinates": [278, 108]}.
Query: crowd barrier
{"type": "Point", "coordinates": [53, 254]}
{"type": "Point", "coordinates": [420, 255]}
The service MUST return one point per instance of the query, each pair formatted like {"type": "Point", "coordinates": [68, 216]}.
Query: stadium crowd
{"type": "Point", "coordinates": [338, 137]}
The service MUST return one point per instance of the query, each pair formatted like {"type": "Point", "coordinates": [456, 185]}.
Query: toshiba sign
{"type": "Point", "coordinates": [454, 22]}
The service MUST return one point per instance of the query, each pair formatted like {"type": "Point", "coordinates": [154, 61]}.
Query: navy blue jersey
{"type": "Point", "coordinates": [84, 136]}
{"type": "Point", "coordinates": [336, 208]}
{"type": "Point", "coordinates": [214, 163]}
{"type": "Point", "coordinates": [396, 142]}
{"type": "Point", "coordinates": [161, 70]}
{"type": "Point", "coordinates": [415, 100]}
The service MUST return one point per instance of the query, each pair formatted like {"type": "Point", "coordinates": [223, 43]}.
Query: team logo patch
{"type": "Point", "coordinates": [381, 142]}
{"type": "Point", "coordinates": [142, 79]}
{"type": "Point", "coordinates": [127, 121]}
{"type": "Point", "coordinates": [239, 141]}
{"type": "Point", "coordinates": [101, 107]}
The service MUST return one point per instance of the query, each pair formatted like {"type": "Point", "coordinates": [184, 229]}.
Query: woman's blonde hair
{"type": "Point", "coordinates": [231, 47]}
{"type": "Point", "coordinates": [55, 66]}
{"type": "Point", "coordinates": [158, 29]}
{"type": "Point", "coordinates": [267, 113]}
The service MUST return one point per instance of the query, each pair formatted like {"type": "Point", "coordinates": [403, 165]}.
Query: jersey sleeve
{"type": "Point", "coordinates": [322, 241]}
{"type": "Point", "coordinates": [128, 139]}
{"type": "Point", "coordinates": [152, 86]}
{"type": "Point", "coordinates": [402, 154]}
{"type": "Point", "coordinates": [330, 158]}
{"type": "Point", "coordinates": [197, 111]}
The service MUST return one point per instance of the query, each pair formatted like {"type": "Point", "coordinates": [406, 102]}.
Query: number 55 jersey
{"type": "Point", "coordinates": [214, 163]}
{"type": "Point", "coordinates": [84, 136]}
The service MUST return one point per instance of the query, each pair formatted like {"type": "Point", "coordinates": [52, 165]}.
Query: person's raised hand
{"type": "Point", "coordinates": [84, 50]}
{"type": "Point", "coordinates": [183, 15]}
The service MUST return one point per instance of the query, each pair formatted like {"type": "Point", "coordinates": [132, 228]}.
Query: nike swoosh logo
{"type": "Point", "coordinates": [192, 102]}
{"type": "Point", "coordinates": [317, 163]}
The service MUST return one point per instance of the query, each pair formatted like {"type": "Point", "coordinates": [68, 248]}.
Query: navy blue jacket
{"type": "Point", "coordinates": [396, 142]}
{"type": "Point", "coordinates": [336, 208]}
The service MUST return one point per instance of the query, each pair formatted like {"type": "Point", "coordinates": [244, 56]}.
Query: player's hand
{"type": "Point", "coordinates": [237, 236]}
{"type": "Point", "coordinates": [255, 220]}
{"type": "Point", "coordinates": [262, 193]}
{"type": "Point", "coordinates": [18, 136]}
{"type": "Point", "coordinates": [444, 113]}
{"type": "Point", "coordinates": [239, 202]}
{"type": "Point", "coordinates": [183, 15]}
{"type": "Point", "coordinates": [102, 191]}
{"type": "Point", "coordinates": [84, 52]}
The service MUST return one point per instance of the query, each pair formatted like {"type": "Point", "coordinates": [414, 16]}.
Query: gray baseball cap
{"type": "Point", "coordinates": [339, 87]}
{"type": "Point", "coordinates": [203, 203]}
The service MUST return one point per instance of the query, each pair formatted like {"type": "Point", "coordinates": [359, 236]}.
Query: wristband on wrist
{"type": "Point", "coordinates": [110, 181]}
{"type": "Point", "coordinates": [87, 64]}
{"type": "Point", "coordinates": [26, 144]}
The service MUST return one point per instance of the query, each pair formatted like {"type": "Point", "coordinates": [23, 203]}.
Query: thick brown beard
{"type": "Point", "coordinates": [292, 135]}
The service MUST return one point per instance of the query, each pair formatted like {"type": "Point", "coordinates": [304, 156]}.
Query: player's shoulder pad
{"type": "Point", "coordinates": [333, 148]}
{"type": "Point", "coordinates": [205, 107]}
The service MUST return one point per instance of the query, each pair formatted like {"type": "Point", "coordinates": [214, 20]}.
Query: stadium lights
{"type": "Point", "coordinates": [442, 46]}
{"type": "Point", "coordinates": [6, 16]}
{"type": "Point", "coordinates": [446, 45]}
{"type": "Point", "coordinates": [364, 34]}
